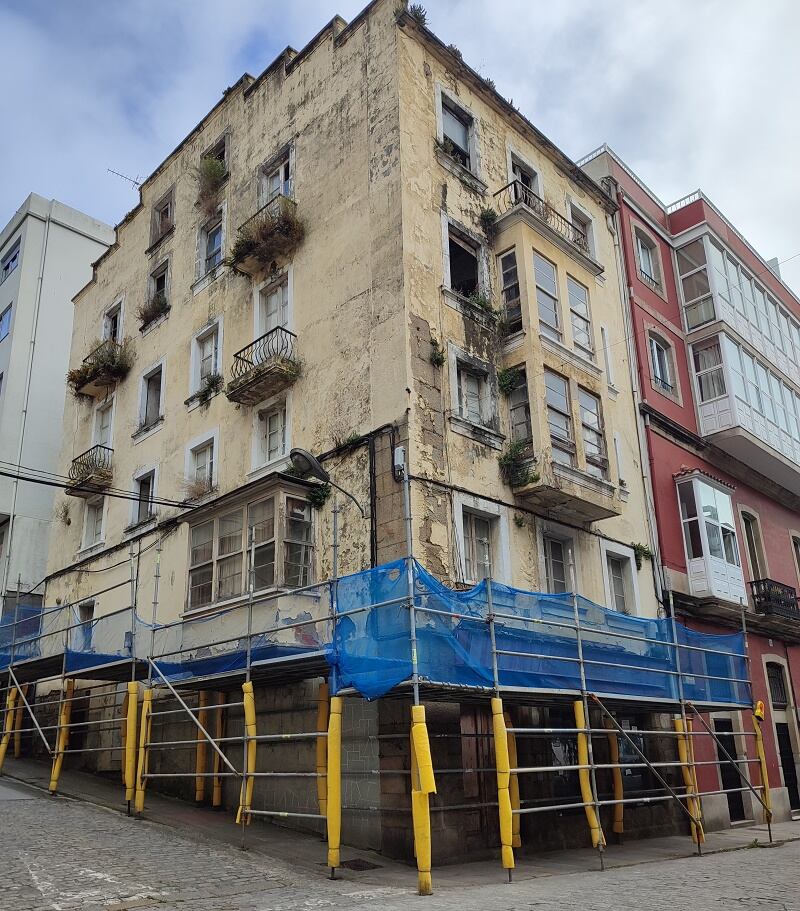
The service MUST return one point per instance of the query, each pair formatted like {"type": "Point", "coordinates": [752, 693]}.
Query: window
{"type": "Point", "coordinates": [203, 465]}
{"type": "Point", "coordinates": [697, 299]}
{"type": "Point", "coordinates": [112, 323]}
{"type": "Point", "coordinates": [84, 631]}
{"type": "Point", "coordinates": [609, 363]}
{"type": "Point", "coordinates": [463, 266]}
{"type": "Point", "coordinates": [512, 307]}
{"type": "Point", "coordinates": [282, 552]}
{"type": "Point", "coordinates": [212, 243]}
{"type": "Point", "coordinates": [526, 183]}
{"type": "Point", "coordinates": [5, 322]}
{"type": "Point", "coordinates": [778, 693]}
{"type": "Point", "coordinates": [274, 305]}
{"type": "Point", "coordinates": [755, 549]}
{"type": "Point", "coordinates": [145, 490]}
{"type": "Point", "coordinates": [456, 128]}
{"type": "Point", "coordinates": [163, 217]}
{"type": "Point", "coordinates": [594, 444]}
{"type": "Point", "coordinates": [616, 582]}
{"type": "Point", "coordinates": [796, 550]}
{"type": "Point", "coordinates": [208, 354]}
{"type": "Point", "coordinates": [477, 546]}
{"type": "Point", "coordinates": [277, 180]}
{"type": "Point", "coordinates": [660, 364]}
{"type": "Point", "coordinates": [648, 259]}
{"type": "Point", "coordinates": [102, 424]}
{"type": "Point", "coordinates": [709, 371]}
{"type": "Point", "coordinates": [556, 561]}
{"type": "Point", "coordinates": [559, 417]}
{"type": "Point", "coordinates": [219, 151]}
{"type": "Point", "coordinates": [582, 229]}
{"type": "Point", "coordinates": [158, 283]}
{"type": "Point", "coordinates": [93, 522]}
{"type": "Point", "coordinates": [273, 422]}
{"type": "Point", "coordinates": [152, 387]}
{"type": "Point", "coordinates": [9, 263]}
{"type": "Point", "coordinates": [519, 407]}
{"type": "Point", "coordinates": [471, 394]}
{"type": "Point", "coordinates": [547, 297]}
{"type": "Point", "coordinates": [707, 517]}
{"type": "Point", "coordinates": [579, 313]}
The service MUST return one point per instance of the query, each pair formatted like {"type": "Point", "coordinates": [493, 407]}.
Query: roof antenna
{"type": "Point", "coordinates": [131, 181]}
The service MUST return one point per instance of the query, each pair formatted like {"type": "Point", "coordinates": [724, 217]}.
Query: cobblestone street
{"type": "Point", "coordinates": [61, 855]}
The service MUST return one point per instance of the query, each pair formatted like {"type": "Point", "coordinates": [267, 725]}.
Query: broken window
{"type": "Point", "coordinates": [463, 266]}
{"type": "Point", "coordinates": [456, 127]}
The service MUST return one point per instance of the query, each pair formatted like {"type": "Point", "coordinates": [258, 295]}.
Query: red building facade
{"type": "Point", "coordinates": [717, 341]}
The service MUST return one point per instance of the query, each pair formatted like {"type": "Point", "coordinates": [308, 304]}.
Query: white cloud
{"type": "Point", "coordinates": [689, 93]}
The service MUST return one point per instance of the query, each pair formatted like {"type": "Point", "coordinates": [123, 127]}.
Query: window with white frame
{"type": "Point", "coordinates": [93, 521]}
{"type": "Point", "coordinates": [477, 545]}
{"type": "Point", "coordinates": [150, 411]}
{"type": "Point", "coordinates": [272, 423]}
{"type": "Point", "coordinates": [112, 323]}
{"type": "Point", "coordinates": [616, 582]}
{"type": "Point", "coordinates": [755, 547]}
{"type": "Point", "coordinates": [547, 297]}
{"type": "Point", "coordinates": [102, 424]}
{"type": "Point", "coordinates": [707, 358]}
{"type": "Point", "coordinates": [661, 363]}
{"type": "Point", "coordinates": [202, 465]}
{"type": "Point", "coordinates": [159, 291]}
{"type": "Point", "coordinates": [556, 564]}
{"type": "Point", "coordinates": [463, 258]}
{"type": "Point", "coordinates": [526, 182]}
{"type": "Point", "coordinates": [457, 127]}
{"type": "Point", "coordinates": [582, 223]}
{"type": "Point", "coordinates": [9, 263]}
{"type": "Point", "coordinates": [163, 216]}
{"type": "Point", "coordinates": [707, 519]}
{"type": "Point", "coordinates": [274, 305]}
{"type": "Point", "coordinates": [211, 243]}
{"type": "Point", "coordinates": [594, 443]}
{"type": "Point", "coordinates": [277, 179]}
{"type": "Point", "coordinates": [648, 259]}
{"type": "Point", "coordinates": [559, 417]}
{"type": "Point", "coordinates": [206, 355]}
{"type": "Point", "coordinates": [5, 322]}
{"type": "Point", "coordinates": [297, 543]}
{"type": "Point", "coordinates": [144, 486]}
{"type": "Point", "coordinates": [512, 306]}
{"type": "Point", "coordinates": [697, 298]}
{"type": "Point", "coordinates": [519, 407]}
{"type": "Point", "coordinates": [579, 313]}
{"type": "Point", "coordinates": [473, 393]}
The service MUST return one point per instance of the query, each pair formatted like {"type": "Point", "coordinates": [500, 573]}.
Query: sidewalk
{"type": "Point", "coordinates": [308, 853]}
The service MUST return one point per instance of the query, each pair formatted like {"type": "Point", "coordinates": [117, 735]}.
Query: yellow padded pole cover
{"type": "Point", "coordinates": [202, 749]}
{"type": "Point", "coordinates": [503, 768]}
{"type": "Point", "coordinates": [323, 700]}
{"type": "Point", "coordinates": [616, 774]}
{"type": "Point", "coordinates": [513, 786]}
{"type": "Point", "coordinates": [334, 780]}
{"type": "Point", "coordinates": [8, 723]}
{"type": "Point", "coordinates": [692, 804]}
{"type": "Point", "coordinates": [423, 784]}
{"type": "Point", "coordinates": [62, 739]}
{"type": "Point", "coordinates": [123, 735]}
{"type": "Point", "coordinates": [584, 777]}
{"type": "Point", "coordinates": [246, 798]}
{"type": "Point", "coordinates": [219, 730]}
{"type": "Point", "coordinates": [758, 717]}
{"type": "Point", "coordinates": [145, 727]}
{"type": "Point", "coordinates": [18, 724]}
{"type": "Point", "coordinates": [132, 706]}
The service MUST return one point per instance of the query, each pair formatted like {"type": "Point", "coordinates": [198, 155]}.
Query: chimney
{"type": "Point", "coordinates": [774, 266]}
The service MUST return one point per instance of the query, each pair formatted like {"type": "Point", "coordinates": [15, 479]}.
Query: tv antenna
{"type": "Point", "coordinates": [133, 182]}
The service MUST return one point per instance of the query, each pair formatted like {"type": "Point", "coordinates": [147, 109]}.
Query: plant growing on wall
{"type": "Point", "coordinates": [482, 301]}
{"type": "Point", "coordinates": [211, 386]}
{"type": "Point", "coordinates": [318, 495]}
{"type": "Point", "coordinates": [211, 174]}
{"type": "Point", "coordinates": [195, 489]}
{"type": "Point", "coordinates": [507, 379]}
{"type": "Point", "coordinates": [271, 236]}
{"type": "Point", "coordinates": [148, 312]}
{"type": "Point", "coordinates": [487, 218]}
{"type": "Point", "coordinates": [62, 513]}
{"type": "Point", "coordinates": [641, 552]}
{"type": "Point", "coordinates": [418, 13]}
{"type": "Point", "coordinates": [515, 465]}
{"type": "Point", "coordinates": [437, 355]}
{"type": "Point", "coordinates": [107, 363]}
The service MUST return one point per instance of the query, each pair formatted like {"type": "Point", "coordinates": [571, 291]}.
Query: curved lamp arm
{"type": "Point", "coordinates": [349, 496]}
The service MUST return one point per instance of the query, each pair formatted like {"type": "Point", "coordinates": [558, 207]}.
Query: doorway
{"type": "Point", "coordinates": [731, 780]}
{"type": "Point", "coordinates": [787, 764]}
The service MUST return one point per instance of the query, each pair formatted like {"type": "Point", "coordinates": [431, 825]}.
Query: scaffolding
{"type": "Point", "coordinates": [386, 632]}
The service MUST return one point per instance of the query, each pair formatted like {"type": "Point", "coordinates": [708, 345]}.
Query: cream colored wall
{"type": "Point", "coordinates": [440, 453]}
{"type": "Point", "coordinates": [339, 107]}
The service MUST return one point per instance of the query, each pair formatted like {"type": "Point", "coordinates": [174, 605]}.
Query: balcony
{"type": "Point", "coordinates": [264, 368]}
{"type": "Point", "coordinates": [773, 599]}
{"type": "Point", "coordinates": [516, 201]}
{"type": "Point", "coordinates": [271, 235]}
{"type": "Point", "coordinates": [101, 369]}
{"type": "Point", "coordinates": [91, 472]}
{"type": "Point", "coordinates": [569, 494]}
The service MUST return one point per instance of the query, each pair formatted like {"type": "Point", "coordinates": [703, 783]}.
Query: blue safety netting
{"type": "Point", "coordinates": [101, 641]}
{"type": "Point", "coordinates": [536, 642]}
{"type": "Point", "coordinates": [21, 630]}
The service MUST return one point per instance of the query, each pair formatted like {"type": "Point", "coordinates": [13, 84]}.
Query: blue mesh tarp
{"type": "Point", "coordinates": [535, 638]}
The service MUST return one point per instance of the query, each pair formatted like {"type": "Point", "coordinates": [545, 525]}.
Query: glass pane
{"type": "Point", "coordinates": [708, 501]}
{"type": "Point", "coordinates": [694, 286]}
{"type": "Point", "coordinates": [297, 564]}
{"type": "Point", "coordinates": [712, 385]}
{"type": "Point", "coordinates": [729, 544]}
{"type": "Point", "coordinates": [455, 129]}
{"type": "Point", "coordinates": [230, 533]}
{"type": "Point", "coordinates": [200, 586]}
{"type": "Point", "coordinates": [691, 535]}
{"type": "Point", "coordinates": [298, 520]}
{"type": "Point", "coordinates": [229, 575]}
{"type": "Point", "coordinates": [545, 275]}
{"type": "Point", "coordinates": [556, 566]}
{"type": "Point", "coordinates": [264, 566]}
{"type": "Point", "coordinates": [686, 500]}
{"type": "Point", "coordinates": [714, 540]}
{"type": "Point", "coordinates": [692, 256]}
{"type": "Point", "coordinates": [261, 521]}
{"type": "Point", "coordinates": [202, 543]}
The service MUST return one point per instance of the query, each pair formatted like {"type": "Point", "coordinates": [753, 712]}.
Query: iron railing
{"type": "Point", "coordinates": [663, 385]}
{"type": "Point", "coordinates": [516, 193]}
{"type": "Point", "coordinates": [106, 351]}
{"type": "Point", "coordinates": [774, 599]}
{"type": "Point", "coordinates": [648, 279]}
{"type": "Point", "coordinates": [97, 459]}
{"type": "Point", "coordinates": [273, 208]}
{"type": "Point", "coordinates": [278, 344]}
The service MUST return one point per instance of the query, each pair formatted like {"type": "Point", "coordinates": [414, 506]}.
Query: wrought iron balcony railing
{"type": "Point", "coordinates": [775, 599]}
{"type": "Point", "coordinates": [278, 343]}
{"type": "Point", "coordinates": [516, 193]}
{"type": "Point", "coordinates": [273, 208]}
{"type": "Point", "coordinates": [93, 467]}
{"type": "Point", "coordinates": [663, 385]}
{"type": "Point", "coordinates": [653, 283]}
{"type": "Point", "coordinates": [264, 367]}
{"type": "Point", "coordinates": [106, 352]}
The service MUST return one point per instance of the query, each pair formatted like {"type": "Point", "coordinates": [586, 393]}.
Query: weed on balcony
{"type": "Point", "coordinates": [515, 465]}
{"type": "Point", "coordinates": [153, 309]}
{"type": "Point", "coordinates": [275, 234]}
{"type": "Point", "coordinates": [211, 174]}
{"type": "Point", "coordinates": [107, 363]}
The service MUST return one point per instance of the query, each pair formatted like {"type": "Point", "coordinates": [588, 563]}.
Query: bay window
{"type": "Point", "coordinates": [707, 519]}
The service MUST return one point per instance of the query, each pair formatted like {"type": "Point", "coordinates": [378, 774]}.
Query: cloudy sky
{"type": "Point", "coordinates": [691, 93]}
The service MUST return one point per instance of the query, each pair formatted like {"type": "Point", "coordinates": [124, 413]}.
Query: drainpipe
{"type": "Point", "coordinates": [645, 459]}
{"type": "Point", "coordinates": [24, 414]}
